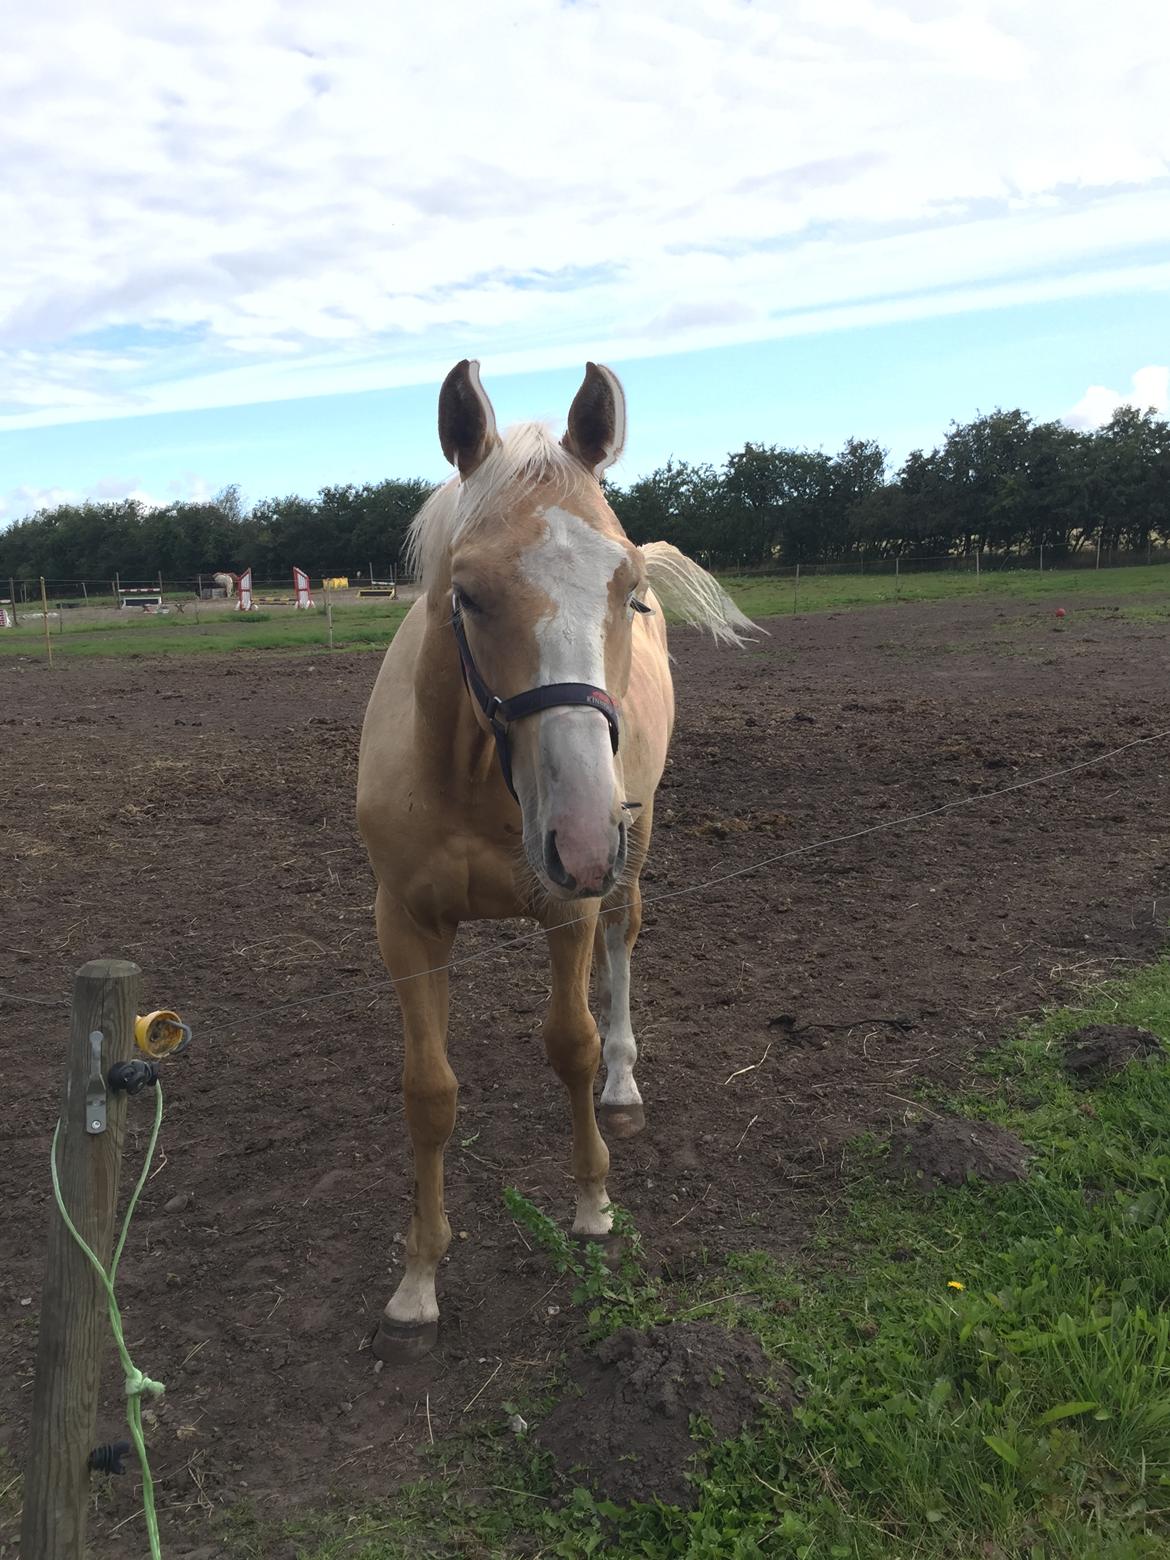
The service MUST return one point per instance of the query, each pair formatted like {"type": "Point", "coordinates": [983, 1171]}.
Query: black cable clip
{"type": "Point", "coordinates": [108, 1458]}
{"type": "Point", "coordinates": [132, 1076]}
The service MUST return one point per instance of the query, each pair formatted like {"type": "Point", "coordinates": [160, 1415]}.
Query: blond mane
{"type": "Point", "coordinates": [685, 588]}
{"type": "Point", "coordinates": [527, 455]}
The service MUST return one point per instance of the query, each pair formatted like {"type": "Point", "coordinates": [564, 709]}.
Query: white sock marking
{"type": "Point", "coordinates": [621, 1050]}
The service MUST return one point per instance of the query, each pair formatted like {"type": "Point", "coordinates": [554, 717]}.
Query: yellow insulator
{"type": "Point", "coordinates": [160, 1034]}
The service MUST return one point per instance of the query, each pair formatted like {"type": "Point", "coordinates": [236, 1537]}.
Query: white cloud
{"type": "Point", "coordinates": [231, 200]}
{"type": "Point", "coordinates": [1151, 391]}
{"type": "Point", "coordinates": [19, 502]}
{"type": "Point", "coordinates": [26, 500]}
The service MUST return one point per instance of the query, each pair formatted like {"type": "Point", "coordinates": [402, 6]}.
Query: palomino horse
{"type": "Point", "coordinates": [510, 753]}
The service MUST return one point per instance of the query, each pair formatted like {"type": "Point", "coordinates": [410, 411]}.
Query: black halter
{"type": "Point", "coordinates": [500, 713]}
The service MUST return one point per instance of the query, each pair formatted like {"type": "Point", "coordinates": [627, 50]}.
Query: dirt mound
{"type": "Point", "coordinates": [624, 1432]}
{"type": "Point", "coordinates": [1100, 1049]}
{"type": "Point", "coordinates": [945, 1151]}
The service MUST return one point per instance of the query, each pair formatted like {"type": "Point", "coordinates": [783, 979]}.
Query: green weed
{"type": "Point", "coordinates": [620, 1296]}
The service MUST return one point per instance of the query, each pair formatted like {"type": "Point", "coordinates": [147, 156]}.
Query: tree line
{"type": "Point", "coordinates": [998, 484]}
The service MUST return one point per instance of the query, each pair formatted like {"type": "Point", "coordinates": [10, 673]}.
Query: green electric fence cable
{"type": "Point", "coordinates": [136, 1383]}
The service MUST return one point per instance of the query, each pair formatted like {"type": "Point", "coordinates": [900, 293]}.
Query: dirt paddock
{"type": "Point", "coordinates": [197, 817]}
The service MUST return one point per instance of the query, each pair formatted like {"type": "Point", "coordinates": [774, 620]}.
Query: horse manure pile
{"type": "Point", "coordinates": [947, 1150]}
{"type": "Point", "coordinates": [623, 1426]}
{"type": "Point", "coordinates": [1097, 1050]}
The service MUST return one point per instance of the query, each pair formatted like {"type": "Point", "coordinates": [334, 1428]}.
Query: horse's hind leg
{"type": "Point", "coordinates": [622, 1114]}
{"type": "Point", "coordinates": [410, 1323]}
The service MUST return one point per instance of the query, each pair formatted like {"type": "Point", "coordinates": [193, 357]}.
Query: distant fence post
{"type": "Point", "coordinates": [12, 598]}
{"type": "Point", "coordinates": [795, 587]}
{"type": "Point", "coordinates": [45, 621]}
{"type": "Point", "coordinates": [73, 1319]}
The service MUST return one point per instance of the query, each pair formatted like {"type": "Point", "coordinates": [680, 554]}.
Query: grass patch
{"type": "Point", "coordinates": [1159, 613]}
{"type": "Point", "coordinates": [983, 1372]}
{"type": "Point", "coordinates": [366, 626]}
{"type": "Point", "coordinates": [773, 597]}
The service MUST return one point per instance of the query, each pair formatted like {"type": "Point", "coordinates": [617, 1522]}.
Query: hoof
{"type": "Point", "coordinates": [398, 1343]}
{"type": "Point", "coordinates": [610, 1246]}
{"type": "Point", "coordinates": [622, 1121]}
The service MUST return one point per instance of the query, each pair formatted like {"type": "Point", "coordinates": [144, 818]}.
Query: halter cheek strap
{"type": "Point", "coordinates": [500, 713]}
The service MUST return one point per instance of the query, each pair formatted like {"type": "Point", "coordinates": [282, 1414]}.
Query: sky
{"type": "Point", "coordinates": [245, 239]}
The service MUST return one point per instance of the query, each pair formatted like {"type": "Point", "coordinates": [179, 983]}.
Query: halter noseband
{"type": "Point", "coordinates": [500, 713]}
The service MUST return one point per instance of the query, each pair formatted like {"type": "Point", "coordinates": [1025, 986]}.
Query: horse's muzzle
{"type": "Point", "coordinates": [585, 875]}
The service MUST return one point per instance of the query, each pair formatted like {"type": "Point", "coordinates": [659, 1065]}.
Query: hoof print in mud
{"type": "Point", "coordinates": [949, 1151]}
{"type": "Point", "coordinates": [622, 1426]}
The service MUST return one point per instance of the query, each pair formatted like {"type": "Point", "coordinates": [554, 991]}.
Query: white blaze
{"type": "Point", "coordinates": [573, 564]}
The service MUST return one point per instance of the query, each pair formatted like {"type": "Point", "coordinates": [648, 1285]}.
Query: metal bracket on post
{"type": "Point", "coordinates": [95, 1092]}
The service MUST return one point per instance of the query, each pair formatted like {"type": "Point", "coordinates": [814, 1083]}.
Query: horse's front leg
{"type": "Point", "coordinates": [621, 1104]}
{"type": "Point", "coordinates": [574, 1049]}
{"type": "Point", "coordinates": [410, 1323]}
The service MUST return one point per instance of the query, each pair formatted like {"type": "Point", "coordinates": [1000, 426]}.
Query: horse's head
{"type": "Point", "coordinates": [546, 585]}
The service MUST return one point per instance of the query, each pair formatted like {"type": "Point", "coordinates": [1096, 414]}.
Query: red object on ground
{"type": "Point", "coordinates": [1060, 611]}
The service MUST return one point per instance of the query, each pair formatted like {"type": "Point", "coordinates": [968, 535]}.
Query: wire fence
{"type": "Point", "coordinates": [1042, 560]}
{"type": "Point", "coordinates": [386, 983]}
{"type": "Point", "coordinates": [71, 593]}
{"type": "Point", "coordinates": [97, 592]}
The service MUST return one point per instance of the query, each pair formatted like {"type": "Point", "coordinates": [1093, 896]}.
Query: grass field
{"type": "Point", "coordinates": [363, 626]}
{"type": "Point", "coordinates": [981, 1372]}
{"type": "Point", "coordinates": [371, 625]}
{"type": "Point", "coordinates": [766, 597]}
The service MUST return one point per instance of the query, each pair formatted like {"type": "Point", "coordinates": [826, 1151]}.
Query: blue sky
{"type": "Point", "coordinates": [247, 240]}
{"type": "Point", "coordinates": [901, 384]}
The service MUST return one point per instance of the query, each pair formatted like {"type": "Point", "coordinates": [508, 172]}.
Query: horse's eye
{"type": "Point", "coordinates": [463, 601]}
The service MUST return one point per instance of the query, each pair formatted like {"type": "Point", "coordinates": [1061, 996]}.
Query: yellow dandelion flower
{"type": "Point", "coordinates": [953, 1283]}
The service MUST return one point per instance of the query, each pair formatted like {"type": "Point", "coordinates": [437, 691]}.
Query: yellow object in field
{"type": "Point", "coordinates": [338, 582]}
{"type": "Point", "coordinates": [160, 1034]}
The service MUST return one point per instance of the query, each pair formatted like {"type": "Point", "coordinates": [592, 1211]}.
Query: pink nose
{"type": "Point", "coordinates": [578, 858]}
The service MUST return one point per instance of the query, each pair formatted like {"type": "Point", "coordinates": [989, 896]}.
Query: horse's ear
{"type": "Point", "coordinates": [597, 419]}
{"type": "Point", "coordinates": [467, 424]}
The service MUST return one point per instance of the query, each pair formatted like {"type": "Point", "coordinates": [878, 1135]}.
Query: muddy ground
{"type": "Point", "coordinates": [197, 817]}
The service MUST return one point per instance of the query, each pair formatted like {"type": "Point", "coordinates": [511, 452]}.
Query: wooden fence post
{"type": "Point", "coordinates": [45, 621]}
{"type": "Point", "coordinates": [74, 1325]}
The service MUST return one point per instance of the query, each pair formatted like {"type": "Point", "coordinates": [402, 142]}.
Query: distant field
{"type": "Point", "coordinates": [369, 625]}
{"type": "Point", "coordinates": [372, 624]}
{"type": "Point", "coordinates": [770, 597]}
